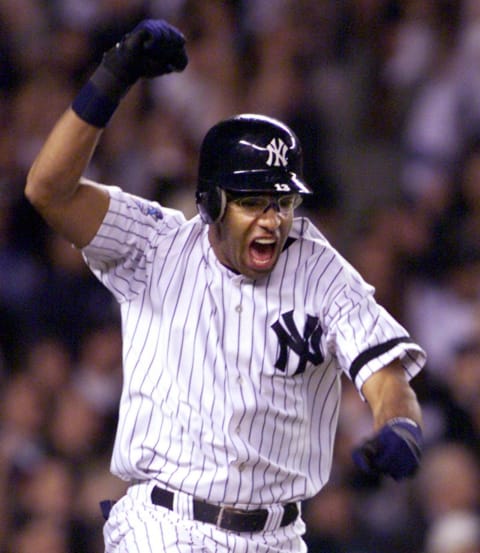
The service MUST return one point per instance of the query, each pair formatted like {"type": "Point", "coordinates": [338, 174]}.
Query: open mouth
{"type": "Point", "coordinates": [262, 251]}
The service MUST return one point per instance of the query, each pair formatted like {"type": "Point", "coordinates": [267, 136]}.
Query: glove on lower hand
{"type": "Point", "coordinates": [152, 49]}
{"type": "Point", "coordinates": [395, 450]}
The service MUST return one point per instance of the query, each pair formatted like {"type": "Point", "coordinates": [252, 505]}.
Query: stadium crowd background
{"type": "Point", "coordinates": [385, 96]}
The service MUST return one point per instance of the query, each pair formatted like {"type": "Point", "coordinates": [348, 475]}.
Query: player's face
{"type": "Point", "coordinates": [252, 233]}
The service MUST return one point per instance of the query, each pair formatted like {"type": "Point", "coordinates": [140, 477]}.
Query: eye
{"type": "Point", "coordinates": [252, 203]}
{"type": "Point", "coordinates": [289, 202]}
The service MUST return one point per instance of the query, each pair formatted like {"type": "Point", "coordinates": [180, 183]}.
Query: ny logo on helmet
{"type": "Point", "coordinates": [277, 153]}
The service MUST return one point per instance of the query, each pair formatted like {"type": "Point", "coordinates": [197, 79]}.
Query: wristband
{"type": "Point", "coordinates": [405, 420]}
{"type": "Point", "coordinates": [93, 106]}
{"type": "Point", "coordinates": [100, 96]}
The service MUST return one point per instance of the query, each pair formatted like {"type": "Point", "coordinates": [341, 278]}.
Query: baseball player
{"type": "Point", "coordinates": [237, 326]}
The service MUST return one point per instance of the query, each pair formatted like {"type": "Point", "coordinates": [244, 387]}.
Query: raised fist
{"type": "Point", "coordinates": [152, 49]}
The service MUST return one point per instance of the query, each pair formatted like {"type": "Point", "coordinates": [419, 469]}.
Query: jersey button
{"type": "Point", "coordinates": [238, 309]}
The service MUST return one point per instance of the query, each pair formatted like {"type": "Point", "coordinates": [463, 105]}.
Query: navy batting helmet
{"type": "Point", "coordinates": [247, 154]}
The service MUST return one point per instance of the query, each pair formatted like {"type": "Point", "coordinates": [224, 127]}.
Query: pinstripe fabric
{"type": "Point", "coordinates": [231, 386]}
{"type": "Point", "coordinates": [136, 525]}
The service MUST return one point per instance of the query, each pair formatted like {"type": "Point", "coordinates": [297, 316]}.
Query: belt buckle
{"type": "Point", "coordinates": [226, 518]}
{"type": "Point", "coordinates": [229, 518]}
{"type": "Point", "coordinates": [238, 520]}
{"type": "Point", "coordinates": [220, 516]}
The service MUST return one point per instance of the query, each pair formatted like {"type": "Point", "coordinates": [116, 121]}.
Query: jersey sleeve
{"type": "Point", "coordinates": [121, 253]}
{"type": "Point", "coordinates": [362, 334]}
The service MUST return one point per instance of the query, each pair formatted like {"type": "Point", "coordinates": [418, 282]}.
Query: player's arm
{"type": "Point", "coordinates": [389, 395]}
{"type": "Point", "coordinates": [70, 204]}
{"type": "Point", "coordinates": [395, 449]}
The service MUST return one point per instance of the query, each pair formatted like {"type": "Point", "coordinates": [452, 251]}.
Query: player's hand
{"type": "Point", "coordinates": [395, 450]}
{"type": "Point", "coordinates": [153, 48]}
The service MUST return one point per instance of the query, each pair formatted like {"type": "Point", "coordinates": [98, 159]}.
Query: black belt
{"type": "Point", "coordinates": [227, 518]}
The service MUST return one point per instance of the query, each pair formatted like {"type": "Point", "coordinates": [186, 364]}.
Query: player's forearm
{"type": "Point", "coordinates": [399, 403]}
{"type": "Point", "coordinates": [55, 174]}
{"type": "Point", "coordinates": [390, 396]}
{"type": "Point", "coordinates": [396, 447]}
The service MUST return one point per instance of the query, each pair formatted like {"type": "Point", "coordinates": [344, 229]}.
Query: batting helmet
{"type": "Point", "coordinates": [247, 154]}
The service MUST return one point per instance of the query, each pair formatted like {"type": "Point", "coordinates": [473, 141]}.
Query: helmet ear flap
{"type": "Point", "coordinates": [211, 204]}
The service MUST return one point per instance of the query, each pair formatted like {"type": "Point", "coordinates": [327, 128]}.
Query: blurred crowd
{"type": "Point", "coordinates": [385, 97]}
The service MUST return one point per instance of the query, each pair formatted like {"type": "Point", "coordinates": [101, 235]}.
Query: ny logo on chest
{"type": "Point", "coordinates": [306, 345]}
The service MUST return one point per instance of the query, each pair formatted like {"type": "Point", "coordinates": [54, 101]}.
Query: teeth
{"type": "Point", "coordinates": [265, 241]}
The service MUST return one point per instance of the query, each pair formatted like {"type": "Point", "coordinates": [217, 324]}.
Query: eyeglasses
{"type": "Point", "coordinates": [256, 205]}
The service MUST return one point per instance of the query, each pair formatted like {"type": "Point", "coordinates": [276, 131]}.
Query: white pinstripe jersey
{"type": "Point", "coordinates": [232, 386]}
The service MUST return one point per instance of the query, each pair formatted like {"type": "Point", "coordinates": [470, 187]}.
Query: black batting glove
{"type": "Point", "coordinates": [152, 49]}
{"type": "Point", "coordinates": [395, 450]}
